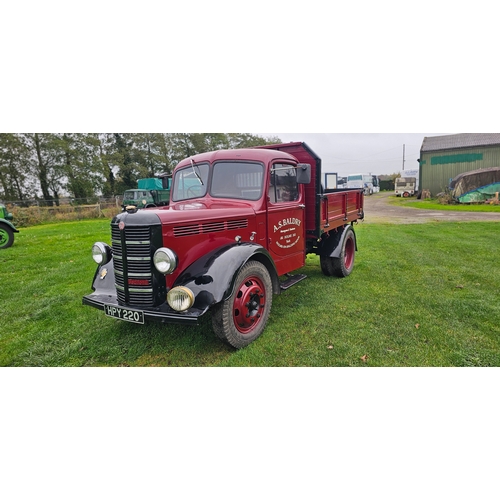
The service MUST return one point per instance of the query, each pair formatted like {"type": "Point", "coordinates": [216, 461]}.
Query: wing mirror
{"type": "Point", "coordinates": [303, 173]}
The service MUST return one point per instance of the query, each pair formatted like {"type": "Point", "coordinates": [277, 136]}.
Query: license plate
{"type": "Point", "coordinates": [124, 314]}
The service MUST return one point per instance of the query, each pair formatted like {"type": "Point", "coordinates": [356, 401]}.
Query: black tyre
{"type": "Point", "coordinates": [341, 266]}
{"type": "Point", "coordinates": [6, 236]}
{"type": "Point", "coordinates": [241, 318]}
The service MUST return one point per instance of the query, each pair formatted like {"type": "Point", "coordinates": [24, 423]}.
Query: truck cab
{"type": "Point", "coordinates": [262, 194]}
{"type": "Point", "coordinates": [361, 181]}
{"type": "Point", "coordinates": [238, 223]}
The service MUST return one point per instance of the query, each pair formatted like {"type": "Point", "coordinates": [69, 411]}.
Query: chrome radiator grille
{"type": "Point", "coordinates": [132, 263]}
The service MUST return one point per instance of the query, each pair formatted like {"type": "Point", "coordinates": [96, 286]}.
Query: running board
{"type": "Point", "coordinates": [285, 285]}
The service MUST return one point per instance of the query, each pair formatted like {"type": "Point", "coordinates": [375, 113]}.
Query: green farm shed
{"type": "Point", "coordinates": [444, 157]}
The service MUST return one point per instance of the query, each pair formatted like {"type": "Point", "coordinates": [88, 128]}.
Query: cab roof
{"type": "Point", "coordinates": [251, 154]}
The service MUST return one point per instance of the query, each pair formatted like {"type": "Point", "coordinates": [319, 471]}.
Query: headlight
{"type": "Point", "coordinates": [101, 253]}
{"type": "Point", "coordinates": [165, 260]}
{"type": "Point", "coordinates": [180, 298]}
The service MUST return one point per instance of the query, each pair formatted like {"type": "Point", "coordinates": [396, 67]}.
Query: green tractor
{"type": "Point", "coordinates": [7, 229]}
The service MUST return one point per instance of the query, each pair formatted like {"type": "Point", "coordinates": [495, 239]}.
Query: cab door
{"type": "Point", "coordinates": [286, 218]}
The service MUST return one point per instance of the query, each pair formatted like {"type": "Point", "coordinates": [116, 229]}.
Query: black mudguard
{"type": "Point", "coordinates": [9, 224]}
{"type": "Point", "coordinates": [104, 279]}
{"type": "Point", "coordinates": [332, 243]}
{"type": "Point", "coordinates": [212, 278]}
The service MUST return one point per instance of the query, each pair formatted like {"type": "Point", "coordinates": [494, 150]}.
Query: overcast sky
{"type": "Point", "coordinates": [348, 153]}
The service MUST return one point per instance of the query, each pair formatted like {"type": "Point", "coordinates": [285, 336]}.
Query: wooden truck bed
{"type": "Point", "coordinates": [340, 208]}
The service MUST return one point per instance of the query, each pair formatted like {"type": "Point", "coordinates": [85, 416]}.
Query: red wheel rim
{"type": "Point", "coordinates": [349, 253]}
{"type": "Point", "coordinates": [248, 304]}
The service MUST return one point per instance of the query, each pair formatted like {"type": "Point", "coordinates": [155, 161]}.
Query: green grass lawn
{"type": "Point", "coordinates": [419, 295]}
{"type": "Point", "coordinates": [433, 204]}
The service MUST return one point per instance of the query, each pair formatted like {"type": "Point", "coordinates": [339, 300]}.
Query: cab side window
{"type": "Point", "coordinates": [283, 186]}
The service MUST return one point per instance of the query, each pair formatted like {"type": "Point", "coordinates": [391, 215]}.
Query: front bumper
{"type": "Point", "coordinates": [162, 314]}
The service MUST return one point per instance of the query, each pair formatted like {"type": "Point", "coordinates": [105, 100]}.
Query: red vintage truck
{"type": "Point", "coordinates": [238, 223]}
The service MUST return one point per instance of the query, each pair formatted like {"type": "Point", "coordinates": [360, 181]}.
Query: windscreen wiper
{"type": "Point", "coordinates": [195, 172]}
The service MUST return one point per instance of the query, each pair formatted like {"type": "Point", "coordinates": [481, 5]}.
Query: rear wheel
{"type": "Point", "coordinates": [406, 194]}
{"type": "Point", "coordinates": [240, 319]}
{"type": "Point", "coordinates": [6, 237]}
{"type": "Point", "coordinates": [341, 266]}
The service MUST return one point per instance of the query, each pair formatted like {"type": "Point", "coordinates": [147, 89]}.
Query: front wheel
{"type": "Point", "coordinates": [241, 318]}
{"type": "Point", "coordinates": [341, 266]}
{"type": "Point", "coordinates": [6, 237]}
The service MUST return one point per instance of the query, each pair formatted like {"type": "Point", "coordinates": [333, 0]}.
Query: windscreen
{"type": "Point", "coordinates": [190, 182]}
{"type": "Point", "coordinates": [237, 180]}
{"type": "Point", "coordinates": [355, 177]}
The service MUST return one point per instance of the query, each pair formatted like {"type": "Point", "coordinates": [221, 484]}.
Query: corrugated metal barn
{"type": "Point", "coordinates": [444, 157]}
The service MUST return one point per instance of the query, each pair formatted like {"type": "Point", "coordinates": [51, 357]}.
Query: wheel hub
{"type": "Point", "coordinates": [250, 299]}
{"type": "Point", "coordinates": [3, 237]}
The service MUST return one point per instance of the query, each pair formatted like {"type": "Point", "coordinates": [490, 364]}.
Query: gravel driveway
{"type": "Point", "coordinates": [378, 209]}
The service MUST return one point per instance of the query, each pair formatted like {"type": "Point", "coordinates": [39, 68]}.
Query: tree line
{"type": "Point", "coordinates": [48, 166]}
